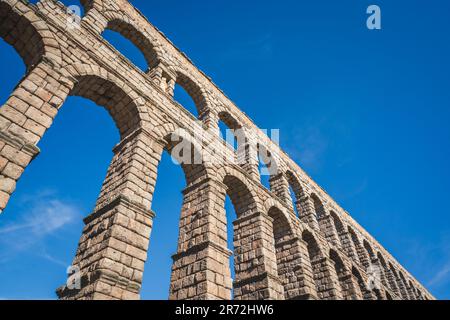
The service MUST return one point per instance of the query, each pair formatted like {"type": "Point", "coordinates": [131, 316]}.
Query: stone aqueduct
{"type": "Point", "coordinates": [320, 254]}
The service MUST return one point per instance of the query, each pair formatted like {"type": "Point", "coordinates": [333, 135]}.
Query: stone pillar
{"type": "Point", "coordinates": [210, 121]}
{"type": "Point", "coordinates": [307, 212]}
{"type": "Point", "coordinates": [295, 270]}
{"type": "Point", "coordinates": [251, 162]}
{"type": "Point", "coordinates": [255, 259]}
{"type": "Point", "coordinates": [411, 292]}
{"type": "Point", "coordinates": [351, 290]}
{"type": "Point", "coordinates": [392, 282]}
{"type": "Point", "coordinates": [15, 155]}
{"type": "Point", "coordinates": [113, 247]}
{"type": "Point", "coordinates": [328, 230]}
{"type": "Point", "coordinates": [163, 78]}
{"type": "Point", "coordinates": [361, 284]}
{"type": "Point", "coordinates": [326, 279]}
{"type": "Point", "coordinates": [24, 118]}
{"type": "Point", "coordinates": [201, 266]}
{"type": "Point", "coordinates": [402, 288]}
{"type": "Point", "coordinates": [280, 187]}
{"type": "Point", "coordinates": [363, 257]}
{"type": "Point", "coordinates": [349, 246]}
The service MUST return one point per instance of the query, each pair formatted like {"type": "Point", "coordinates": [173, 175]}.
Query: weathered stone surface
{"type": "Point", "coordinates": [320, 254]}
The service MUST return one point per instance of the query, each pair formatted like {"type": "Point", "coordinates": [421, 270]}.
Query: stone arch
{"type": "Point", "coordinates": [412, 291]}
{"type": "Point", "coordinates": [87, 5]}
{"type": "Point", "coordinates": [326, 285]}
{"type": "Point", "coordinates": [175, 140]}
{"type": "Point", "coordinates": [381, 264]}
{"type": "Point", "coordinates": [90, 4]}
{"type": "Point", "coordinates": [319, 209]}
{"type": "Point", "coordinates": [389, 280]}
{"type": "Point", "coordinates": [408, 293]}
{"type": "Point", "coordinates": [268, 163]}
{"type": "Point", "coordinates": [272, 204]}
{"type": "Point", "coordinates": [399, 282]}
{"type": "Point", "coordinates": [284, 243]}
{"type": "Point", "coordinates": [28, 34]}
{"type": "Point", "coordinates": [419, 294]}
{"type": "Point", "coordinates": [388, 296]}
{"type": "Point", "coordinates": [360, 251]}
{"type": "Point", "coordinates": [255, 262]}
{"type": "Point", "coordinates": [234, 130]}
{"type": "Point", "coordinates": [104, 89]}
{"type": "Point", "coordinates": [194, 90]}
{"type": "Point", "coordinates": [322, 218]}
{"type": "Point", "coordinates": [237, 182]}
{"type": "Point", "coordinates": [188, 153]}
{"type": "Point", "coordinates": [339, 228]}
{"type": "Point", "coordinates": [229, 120]}
{"type": "Point", "coordinates": [369, 250]}
{"type": "Point", "coordinates": [240, 195]}
{"type": "Point", "coordinates": [343, 275]}
{"type": "Point", "coordinates": [281, 225]}
{"type": "Point", "coordinates": [362, 290]}
{"type": "Point", "coordinates": [120, 23]}
{"type": "Point", "coordinates": [297, 190]}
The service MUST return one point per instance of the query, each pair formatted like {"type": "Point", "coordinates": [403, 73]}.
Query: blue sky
{"type": "Point", "coordinates": [365, 113]}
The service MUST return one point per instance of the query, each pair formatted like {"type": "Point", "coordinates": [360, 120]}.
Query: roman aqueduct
{"type": "Point", "coordinates": [319, 253]}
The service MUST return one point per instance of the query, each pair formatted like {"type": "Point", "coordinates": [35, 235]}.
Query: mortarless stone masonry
{"type": "Point", "coordinates": [322, 254]}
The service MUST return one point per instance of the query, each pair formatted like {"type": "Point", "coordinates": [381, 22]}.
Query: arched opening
{"type": "Point", "coordinates": [369, 250]}
{"type": "Point", "coordinates": [254, 252]}
{"type": "Point", "coordinates": [231, 131]}
{"type": "Point", "coordinates": [342, 274]}
{"type": "Point", "coordinates": [189, 94]}
{"type": "Point", "coordinates": [182, 97]}
{"type": "Point", "coordinates": [240, 196]}
{"type": "Point", "coordinates": [13, 69]}
{"type": "Point", "coordinates": [267, 165]}
{"type": "Point", "coordinates": [164, 274]}
{"type": "Point", "coordinates": [167, 204]}
{"type": "Point", "coordinates": [131, 43]}
{"type": "Point", "coordinates": [296, 192]}
{"type": "Point", "coordinates": [318, 206]}
{"type": "Point", "coordinates": [21, 34]}
{"type": "Point", "coordinates": [108, 94]}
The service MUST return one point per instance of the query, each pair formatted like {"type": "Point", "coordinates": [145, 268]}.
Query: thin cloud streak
{"type": "Point", "coordinates": [442, 276]}
{"type": "Point", "coordinates": [42, 217]}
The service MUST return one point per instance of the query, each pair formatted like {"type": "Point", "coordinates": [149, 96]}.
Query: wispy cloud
{"type": "Point", "coordinates": [43, 215]}
{"type": "Point", "coordinates": [442, 276]}
{"type": "Point", "coordinates": [430, 262]}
